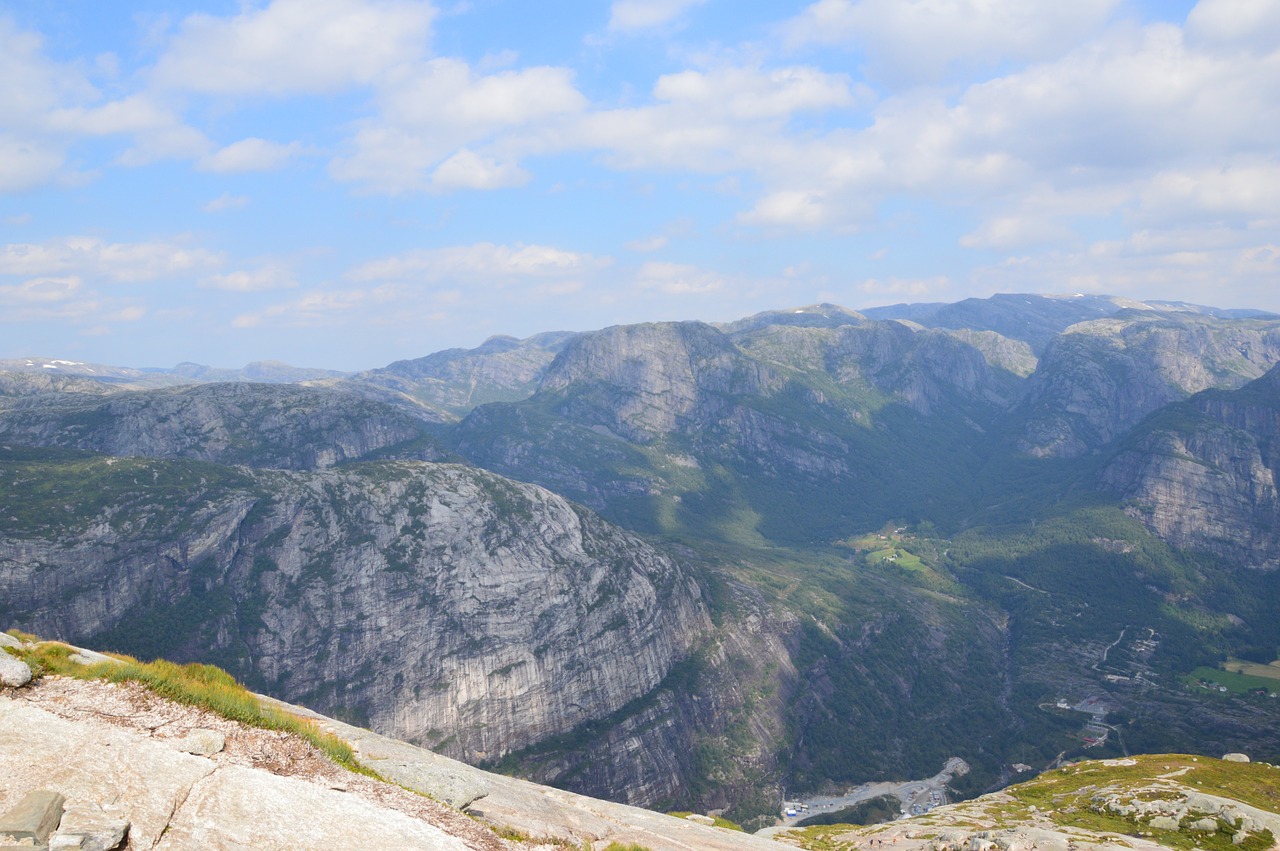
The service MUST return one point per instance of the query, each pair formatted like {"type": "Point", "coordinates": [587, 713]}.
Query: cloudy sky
{"type": "Point", "coordinates": [343, 183]}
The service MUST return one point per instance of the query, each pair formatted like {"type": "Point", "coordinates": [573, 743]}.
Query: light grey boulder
{"type": "Point", "coordinates": [14, 673]}
{"type": "Point", "coordinates": [90, 657]}
{"type": "Point", "coordinates": [88, 827]}
{"type": "Point", "coordinates": [30, 821]}
{"type": "Point", "coordinates": [7, 640]}
{"type": "Point", "coordinates": [1164, 823]}
{"type": "Point", "coordinates": [1205, 824]}
{"type": "Point", "coordinates": [1235, 757]}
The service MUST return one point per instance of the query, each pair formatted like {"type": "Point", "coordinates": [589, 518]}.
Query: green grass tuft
{"type": "Point", "coordinates": [203, 686]}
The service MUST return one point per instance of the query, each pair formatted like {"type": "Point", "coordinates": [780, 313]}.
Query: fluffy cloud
{"type": "Point", "coordinates": [920, 40]}
{"type": "Point", "coordinates": [321, 308]}
{"type": "Point", "coordinates": [225, 201]}
{"type": "Point", "coordinates": [250, 154]}
{"type": "Point", "coordinates": [270, 277]}
{"type": "Point", "coordinates": [631, 15]}
{"type": "Point", "coordinates": [40, 290]}
{"type": "Point", "coordinates": [433, 117]}
{"type": "Point", "coordinates": [483, 261]}
{"type": "Point", "coordinates": [295, 46]}
{"type": "Point", "coordinates": [677, 279]}
{"type": "Point", "coordinates": [94, 259]}
{"type": "Point", "coordinates": [468, 170]}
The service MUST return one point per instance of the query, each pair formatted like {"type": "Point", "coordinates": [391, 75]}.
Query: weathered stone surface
{"type": "Point", "coordinates": [542, 811]}
{"type": "Point", "coordinates": [32, 819]}
{"type": "Point", "coordinates": [1164, 823]}
{"type": "Point", "coordinates": [462, 610]}
{"type": "Point", "coordinates": [88, 827]}
{"type": "Point", "coordinates": [239, 807]}
{"type": "Point", "coordinates": [94, 763]}
{"type": "Point", "coordinates": [1236, 757]}
{"type": "Point", "coordinates": [14, 673]}
{"type": "Point", "coordinates": [7, 640]}
{"type": "Point", "coordinates": [201, 742]}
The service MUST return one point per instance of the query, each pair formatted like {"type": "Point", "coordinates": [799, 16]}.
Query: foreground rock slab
{"type": "Point", "coordinates": [538, 811]}
{"type": "Point", "coordinates": [174, 800]}
{"type": "Point", "coordinates": [32, 819]}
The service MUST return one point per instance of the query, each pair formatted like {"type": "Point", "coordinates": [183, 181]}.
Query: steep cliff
{"type": "Point", "coordinates": [1203, 474]}
{"type": "Point", "coordinates": [445, 605]}
{"type": "Point", "coordinates": [1100, 378]}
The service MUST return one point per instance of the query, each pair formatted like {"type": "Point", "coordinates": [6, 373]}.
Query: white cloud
{"type": "Point", "coordinates": [252, 154]}
{"type": "Point", "coordinates": [1235, 24]}
{"type": "Point", "coordinates": [92, 258]}
{"type": "Point", "coordinates": [723, 120]}
{"type": "Point", "coordinates": [751, 93]}
{"type": "Point", "coordinates": [226, 201]}
{"type": "Point", "coordinates": [922, 289]}
{"type": "Point", "coordinates": [25, 163]}
{"type": "Point", "coordinates": [1213, 264]}
{"type": "Point", "coordinates": [677, 279]}
{"type": "Point", "coordinates": [790, 208]}
{"type": "Point", "coordinates": [270, 277]}
{"type": "Point", "coordinates": [1016, 231]}
{"type": "Point", "coordinates": [442, 110]}
{"type": "Point", "coordinates": [468, 170]}
{"type": "Point", "coordinates": [630, 15]}
{"type": "Point", "coordinates": [483, 261]}
{"type": "Point", "coordinates": [1238, 191]}
{"type": "Point", "coordinates": [40, 290]}
{"type": "Point", "coordinates": [323, 308]}
{"type": "Point", "coordinates": [648, 244]}
{"type": "Point", "coordinates": [295, 46]}
{"type": "Point", "coordinates": [920, 40]}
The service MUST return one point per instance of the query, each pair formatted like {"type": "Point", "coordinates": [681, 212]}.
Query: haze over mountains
{"type": "Point", "coordinates": [683, 564]}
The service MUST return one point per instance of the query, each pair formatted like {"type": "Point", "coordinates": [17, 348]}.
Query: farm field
{"type": "Point", "coordinates": [1230, 680]}
{"type": "Point", "coordinates": [1253, 669]}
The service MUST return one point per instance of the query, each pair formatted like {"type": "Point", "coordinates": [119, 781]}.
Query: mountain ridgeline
{"type": "Point", "coordinates": [692, 565]}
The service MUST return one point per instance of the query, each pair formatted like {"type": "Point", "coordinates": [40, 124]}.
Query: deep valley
{"type": "Point", "coordinates": [691, 566]}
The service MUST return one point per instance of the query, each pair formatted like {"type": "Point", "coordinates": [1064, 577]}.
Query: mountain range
{"type": "Point", "coordinates": [689, 565]}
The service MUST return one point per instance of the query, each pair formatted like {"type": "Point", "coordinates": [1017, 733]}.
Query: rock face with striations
{"type": "Point", "coordinates": [1100, 378]}
{"type": "Point", "coordinates": [1203, 474]}
{"type": "Point", "coordinates": [442, 604]}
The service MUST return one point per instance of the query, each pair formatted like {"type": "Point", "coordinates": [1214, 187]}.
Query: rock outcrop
{"type": "Point", "coordinates": [442, 604]}
{"type": "Point", "coordinates": [1099, 379]}
{"type": "Point", "coordinates": [114, 754]}
{"type": "Point", "coordinates": [1203, 475]}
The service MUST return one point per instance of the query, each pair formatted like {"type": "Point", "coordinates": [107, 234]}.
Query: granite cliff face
{"type": "Point", "coordinates": [445, 605]}
{"type": "Point", "coordinates": [1100, 378]}
{"type": "Point", "coordinates": [261, 425]}
{"type": "Point", "coordinates": [1203, 475]}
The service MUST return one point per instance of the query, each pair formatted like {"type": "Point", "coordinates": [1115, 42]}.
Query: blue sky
{"type": "Point", "coordinates": [344, 183]}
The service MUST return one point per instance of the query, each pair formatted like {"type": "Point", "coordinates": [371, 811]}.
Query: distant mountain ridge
{"type": "Point", "coordinates": [892, 528]}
